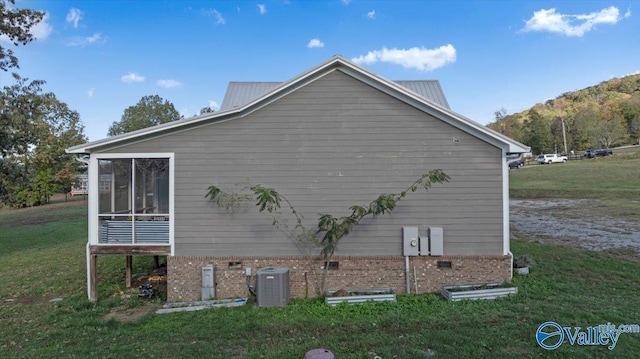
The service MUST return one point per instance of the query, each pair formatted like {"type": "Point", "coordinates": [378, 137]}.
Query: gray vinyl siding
{"type": "Point", "coordinates": [329, 145]}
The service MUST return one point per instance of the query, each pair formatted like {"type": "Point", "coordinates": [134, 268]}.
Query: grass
{"type": "Point", "coordinates": [604, 177]}
{"type": "Point", "coordinates": [42, 258]}
{"type": "Point", "coordinates": [612, 181]}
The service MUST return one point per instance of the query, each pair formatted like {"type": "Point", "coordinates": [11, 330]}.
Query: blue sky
{"type": "Point", "coordinates": [102, 56]}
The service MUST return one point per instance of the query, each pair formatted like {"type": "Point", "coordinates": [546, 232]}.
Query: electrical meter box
{"type": "Point", "coordinates": [410, 241]}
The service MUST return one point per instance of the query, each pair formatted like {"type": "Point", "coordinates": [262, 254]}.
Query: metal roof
{"type": "Point", "coordinates": [429, 89]}
{"type": "Point", "coordinates": [241, 93]}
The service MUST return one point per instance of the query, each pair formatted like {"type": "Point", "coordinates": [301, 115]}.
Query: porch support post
{"type": "Point", "coordinates": [156, 262]}
{"type": "Point", "coordinates": [93, 277]}
{"type": "Point", "coordinates": [128, 264]}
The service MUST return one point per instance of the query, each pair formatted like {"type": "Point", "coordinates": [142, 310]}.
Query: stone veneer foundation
{"type": "Point", "coordinates": [184, 273]}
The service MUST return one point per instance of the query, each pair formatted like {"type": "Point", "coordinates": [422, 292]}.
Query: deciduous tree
{"type": "Point", "coordinates": [611, 132]}
{"type": "Point", "coordinates": [149, 111]}
{"type": "Point", "coordinates": [329, 230]}
{"type": "Point", "coordinates": [15, 25]}
{"type": "Point", "coordinates": [35, 129]}
{"type": "Point", "coordinates": [206, 109]}
{"type": "Point", "coordinates": [18, 127]}
{"type": "Point", "coordinates": [538, 133]}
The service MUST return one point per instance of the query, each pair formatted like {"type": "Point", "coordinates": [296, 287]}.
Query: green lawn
{"type": "Point", "coordinates": [42, 258]}
{"type": "Point", "coordinates": [614, 181]}
{"type": "Point", "coordinates": [605, 177]}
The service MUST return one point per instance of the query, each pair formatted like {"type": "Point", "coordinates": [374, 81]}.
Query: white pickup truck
{"type": "Point", "coordinates": [551, 158]}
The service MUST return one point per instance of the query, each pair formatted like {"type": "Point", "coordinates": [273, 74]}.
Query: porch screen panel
{"type": "Point", "coordinates": [152, 185]}
{"type": "Point", "coordinates": [115, 186]}
{"type": "Point", "coordinates": [133, 200]}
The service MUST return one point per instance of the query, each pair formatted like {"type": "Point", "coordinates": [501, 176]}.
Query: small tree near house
{"type": "Point", "coordinates": [326, 234]}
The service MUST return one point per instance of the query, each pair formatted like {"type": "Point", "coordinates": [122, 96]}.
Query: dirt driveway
{"type": "Point", "coordinates": [571, 221]}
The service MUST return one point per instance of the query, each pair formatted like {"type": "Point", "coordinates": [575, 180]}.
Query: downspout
{"type": "Point", "coordinates": [506, 233]}
{"type": "Point", "coordinates": [407, 275]}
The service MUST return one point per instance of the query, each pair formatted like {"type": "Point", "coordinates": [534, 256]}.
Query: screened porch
{"type": "Point", "coordinates": [133, 201]}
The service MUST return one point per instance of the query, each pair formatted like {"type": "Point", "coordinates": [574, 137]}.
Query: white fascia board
{"type": "Point", "coordinates": [87, 147]}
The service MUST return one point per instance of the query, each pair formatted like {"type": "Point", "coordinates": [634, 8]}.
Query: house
{"type": "Point", "coordinates": [80, 185]}
{"type": "Point", "coordinates": [334, 136]}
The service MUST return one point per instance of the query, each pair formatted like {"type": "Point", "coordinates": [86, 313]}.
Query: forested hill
{"type": "Point", "coordinates": [604, 115]}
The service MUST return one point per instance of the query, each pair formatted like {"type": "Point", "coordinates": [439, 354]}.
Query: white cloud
{"type": "Point", "coordinates": [214, 105]}
{"type": "Point", "coordinates": [371, 14]}
{"type": "Point", "coordinates": [315, 43]}
{"type": "Point", "coordinates": [90, 93]}
{"type": "Point", "coordinates": [90, 40]}
{"type": "Point", "coordinates": [262, 8]}
{"type": "Point", "coordinates": [417, 58]}
{"type": "Point", "coordinates": [97, 37]}
{"type": "Point", "coordinates": [217, 15]}
{"type": "Point", "coordinates": [132, 77]}
{"type": "Point", "coordinates": [73, 16]}
{"type": "Point", "coordinates": [168, 83]}
{"type": "Point", "coordinates": [627, 14]}
{"type": "Point", "coordinates": [43, 29]}
{"type": "Point", "coordinates": [346, 2]}
{"type": "Point", "coordinates": [571, 25]}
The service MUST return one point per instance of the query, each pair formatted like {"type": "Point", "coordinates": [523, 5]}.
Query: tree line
{"type": "Point", "coordinates": [36, 127]}
{"type": "Point", "coordinates": [604, 115]}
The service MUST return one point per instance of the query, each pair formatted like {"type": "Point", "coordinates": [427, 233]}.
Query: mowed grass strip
{"type": "Point", "coordinates": [46, 260]}
{"type": "Point", "coordinates": [602, 178]}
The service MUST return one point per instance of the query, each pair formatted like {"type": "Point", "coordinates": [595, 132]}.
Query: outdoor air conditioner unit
{"type": "Point", "coordinates": [272, 286]}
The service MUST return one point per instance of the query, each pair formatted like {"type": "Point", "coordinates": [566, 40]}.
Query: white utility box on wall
{"type": "Point", "coordinates": [208, 282]}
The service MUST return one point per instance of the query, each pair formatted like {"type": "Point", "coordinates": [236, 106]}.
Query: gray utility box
{"type": "Point", "coordinates": [436, 241]}
{"type": "Point", "coordinates": [272, 286]}
{"type": "Point", "coordinates": [422, 241]}
{"type": "Point", "coordinates": [208, 282]}
{"type": "Point", "coordinates": [410, 243]}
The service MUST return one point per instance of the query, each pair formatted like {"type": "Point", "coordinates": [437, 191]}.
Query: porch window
{"type": "Point", "coordinates": [133, 200]}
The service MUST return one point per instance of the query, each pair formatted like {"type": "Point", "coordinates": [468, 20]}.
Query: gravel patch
{"type": "Point", "coordinates": [569, 221]}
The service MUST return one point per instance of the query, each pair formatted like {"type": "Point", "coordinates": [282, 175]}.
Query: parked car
{"type": "Point", "coordinates": [516, 163]}
{"type": "Point", "coordinates": [551, 158]}
{"type": "Point", "coordinates": [600, 152]}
